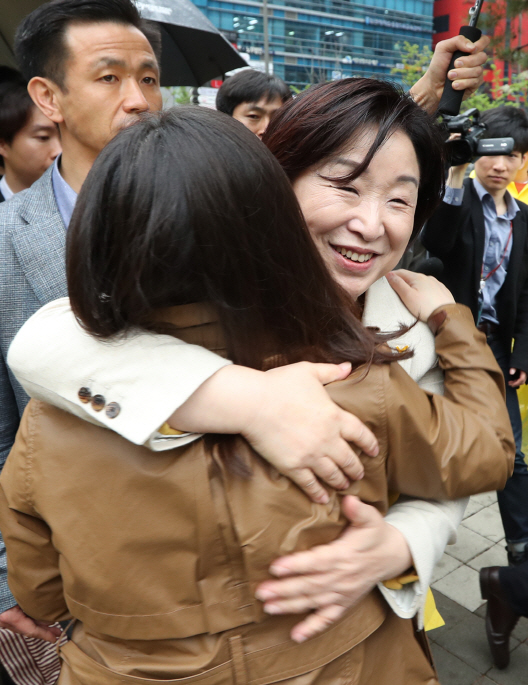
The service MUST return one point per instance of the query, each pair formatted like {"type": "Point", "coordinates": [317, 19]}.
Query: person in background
{"type": "Point", "coordinates": [479, 217]}
{"type": "Point", "coordinates": [480, 232]}
{"type": "Point", "coordinates": [252, 98]}
{"type": "Point", "coordinates": [29, 140]}
{"type": "Point", "coordinates": [518, 189]}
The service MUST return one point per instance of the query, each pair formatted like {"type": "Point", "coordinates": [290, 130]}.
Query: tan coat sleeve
{"type": "Point", "coordinates": [462, 442]}
{"type": "Point", "coordinates": [32, 561]}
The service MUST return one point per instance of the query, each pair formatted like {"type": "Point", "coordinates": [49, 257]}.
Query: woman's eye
{"type": "Point", "coordinates": [348, 189]}
{"type": "Point", "coordinates": [109, 78]}
{"type": "Point", "coordinates": [400, 201]}
{"type": "Point", "coordinates": [149, 80]}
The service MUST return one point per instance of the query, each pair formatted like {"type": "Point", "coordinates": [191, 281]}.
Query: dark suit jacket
{"type": "Point", "coordinates": [456, 235]}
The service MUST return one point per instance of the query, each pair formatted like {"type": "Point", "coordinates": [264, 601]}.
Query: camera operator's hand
{"type": "Point", "coordinates": [467, 75]}
{"type": "Point", "coordinates": [455, 178]}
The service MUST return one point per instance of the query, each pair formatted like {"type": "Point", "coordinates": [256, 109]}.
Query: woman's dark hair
{"type": "Point", "coordinates": [250, 86]}
{"type": "Point", "coordinates": [15, 104]}
{"type": "Point", "coordinates": [40, 46]}
{"type": "Point", "coordinates": [325, 119]}
{"type": "Point", "coordinates": [188, 206]}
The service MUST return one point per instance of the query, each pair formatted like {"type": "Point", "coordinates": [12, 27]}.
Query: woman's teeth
{"type": "Point", "coordinates": [354, 256]}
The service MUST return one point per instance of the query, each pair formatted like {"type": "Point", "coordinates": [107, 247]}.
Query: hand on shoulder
{"type": "Point", "coordinates": [419, 293]}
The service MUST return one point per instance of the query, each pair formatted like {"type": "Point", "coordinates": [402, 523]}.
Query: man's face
{"type": "Point", "coordinates": [256, 115]}
{"type": "Point", "coordinates": [111, 77]}
{"type": "Point", "coordinates": [496, 173]}
{"type": "Point", "coordinates": [31, 151]}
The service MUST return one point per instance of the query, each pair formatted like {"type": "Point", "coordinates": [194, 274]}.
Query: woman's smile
{"type": "Point", "coordinates": [353, 258]}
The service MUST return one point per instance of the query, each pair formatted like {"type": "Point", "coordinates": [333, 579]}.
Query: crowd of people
{"type": "Point", "coordinates": [249, 439]}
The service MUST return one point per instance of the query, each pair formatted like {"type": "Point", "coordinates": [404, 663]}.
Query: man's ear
{"type": "Point", "coordinates": [4, 148]}
{"type": "Point", "coordinates": [44, 93]}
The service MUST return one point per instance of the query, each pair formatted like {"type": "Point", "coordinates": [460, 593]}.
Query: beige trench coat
{"type": "Point", "coordinates": [158, 556]}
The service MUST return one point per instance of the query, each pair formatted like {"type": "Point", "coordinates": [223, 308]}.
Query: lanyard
{"type": "Point", "coordinates": [483, 278]}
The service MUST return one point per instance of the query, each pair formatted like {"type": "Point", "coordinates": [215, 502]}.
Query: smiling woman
{"type": "Point", "coordinates": [362, 227]}
{"type": "Point", "coordinates": [364, 161]}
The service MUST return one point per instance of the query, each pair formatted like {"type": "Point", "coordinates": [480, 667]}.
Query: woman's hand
{"type": "Point", "coordinates": [420, 294]}
{"type": "Point", "coordinates": [332, 578]}
{"type": "Point", "coordinates": [288, 418]}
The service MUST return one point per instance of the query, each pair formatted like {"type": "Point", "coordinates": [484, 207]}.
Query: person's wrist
{"type": "Point", "coordinates": [425, 95]}
{"type": "Point", "coordinates": [456, 175]}
{"type": "Point", "coordinates": [396, 549]}
{"type": "Point", "coordinates": [251, 390]}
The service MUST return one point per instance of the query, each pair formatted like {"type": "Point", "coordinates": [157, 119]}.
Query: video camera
{"type": "Point", "coordinates": [471, 143]}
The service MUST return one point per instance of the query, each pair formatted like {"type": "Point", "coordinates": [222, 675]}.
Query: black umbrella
{"type": "Point", "coordinates": [193, 50]}
{"type": "Point", "coordinates": [11, 14]}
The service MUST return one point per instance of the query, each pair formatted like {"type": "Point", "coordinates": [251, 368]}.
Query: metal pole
{"type": "Point", "coordinates": [266, 35]}
{"type": "Point", "coordinates": [507, 45]}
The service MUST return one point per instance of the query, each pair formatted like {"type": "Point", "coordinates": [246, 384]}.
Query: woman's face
{"type": "Point", "coordinates": [362, 228]}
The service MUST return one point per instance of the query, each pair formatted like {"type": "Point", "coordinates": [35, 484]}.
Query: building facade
{"type": "Point", "coordinates": [318, 40]}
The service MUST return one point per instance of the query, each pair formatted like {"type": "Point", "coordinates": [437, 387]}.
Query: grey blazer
{"type": "Point", "coordinates": [32, 273]}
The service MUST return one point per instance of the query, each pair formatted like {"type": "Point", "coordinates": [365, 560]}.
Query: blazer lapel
{"type": "Point", "coordinates": [40, 244]}
{"type": "Point", "coordinates": [479, 232]}
{"type": "Point", "coordinates": [517, 254]}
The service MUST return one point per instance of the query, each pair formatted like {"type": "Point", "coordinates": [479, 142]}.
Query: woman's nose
{"type": "Point", "coordinates": [366, 221]}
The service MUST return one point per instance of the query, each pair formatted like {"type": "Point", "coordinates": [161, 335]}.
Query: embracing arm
{"type": "Point", "coordinates": [427, 526]}
{"type": "Point", "coordinates": [157, 378]}
{"type": "Point", "coordinates": [465, 437]}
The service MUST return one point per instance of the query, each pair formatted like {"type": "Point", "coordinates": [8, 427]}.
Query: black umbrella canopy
{"type": "Point", "coordinates": [11, 14]}
{"type": "Point", "coordinates": [193, 50]}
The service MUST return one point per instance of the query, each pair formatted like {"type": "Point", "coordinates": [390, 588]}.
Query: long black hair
{"type": "Point", "coordinates": [187, 206]}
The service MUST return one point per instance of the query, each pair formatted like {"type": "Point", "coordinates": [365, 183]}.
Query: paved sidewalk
{"type": "Point", "coordinates": [460, 647]}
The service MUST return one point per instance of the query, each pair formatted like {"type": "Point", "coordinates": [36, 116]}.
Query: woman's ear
{"type": "Point", "coordinates": [44, 94]}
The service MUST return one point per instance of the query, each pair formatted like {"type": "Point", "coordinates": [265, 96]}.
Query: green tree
{"type": "Point", "coordinates": [499, 20]}
{"type": "Point", "coordinates": [513, 93]}
{"type": "Point", "coordinates": [181, 95]}
{"type": "Point", "coordinates": [414, 61]}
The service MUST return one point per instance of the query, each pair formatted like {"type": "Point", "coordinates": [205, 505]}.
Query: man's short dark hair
{"type": "Point", "coordinates": [508, 122]}
{"type": "Point", "coordinates": [250, 86]}
{"type": "Point", "coordinates": [40, 46]}
{"type": "Point", "coordinates": [15, 104]}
